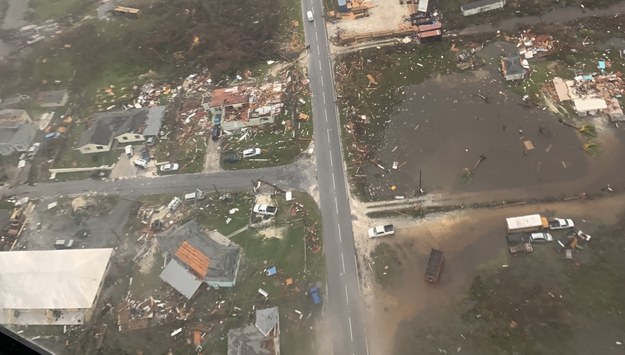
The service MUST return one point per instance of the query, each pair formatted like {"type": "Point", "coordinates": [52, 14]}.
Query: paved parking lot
{"type": "Point", "coordinates": [104, 220]}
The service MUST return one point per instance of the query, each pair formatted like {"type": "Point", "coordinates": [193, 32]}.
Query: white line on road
{"type": "Point", "coordinates": [336, 204]}
{"type": "Point", "coordinates": [340, 238]}
{"type": "Point", "coordinates": [317, 37]}
{"type": "Point", "coordinates": [346, 296]}
{"type": "Point", "coordinates": [343, 262]}
{"type": "Point", "coordinates": [367, 346]}
{"type": "Point", "coordinates": [333, 182]}
{"type": "Point", "coordinates": [323, 93]}
{"type": "Point", "coordinates": [331, 163]}
{"type": "Point", "coordinates": [328, 132]}
{"type": "Point", "coordinates": [351, 333]}
{"type": "Point", "coordinates": [355, 263]}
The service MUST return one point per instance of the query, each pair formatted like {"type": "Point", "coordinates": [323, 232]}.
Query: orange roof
{"type": "Point", "coordinates": [427, 34]}
{"type": "Point", "coordinates": [194, 259]}
{"type": "Point", "coordinates": [432, 27]}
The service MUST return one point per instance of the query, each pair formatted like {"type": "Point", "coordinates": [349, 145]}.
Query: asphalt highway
{"type": "Point", "coordinates": [343, 300]}
{"type": "Point", "coordinates": [232, 180]}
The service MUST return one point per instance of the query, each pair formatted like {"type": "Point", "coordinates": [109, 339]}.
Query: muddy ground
{"type": "Point", "coordinates": [472, 315]}
{"type": "Point", "coordinates": [446, 123]}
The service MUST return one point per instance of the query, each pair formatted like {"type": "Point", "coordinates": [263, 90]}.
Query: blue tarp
{"type": "Point", "coordinates": [270, 271]}
{"type": "Point", "coordinates": [601, 64]}
{"type": "Point", "coordinates": [314, 294]}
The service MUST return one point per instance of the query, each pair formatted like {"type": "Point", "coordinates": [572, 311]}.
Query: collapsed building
{"type": "Point", "coordinates": [244, 105]}
{"type": "Point", "coordinates": [593, 94]}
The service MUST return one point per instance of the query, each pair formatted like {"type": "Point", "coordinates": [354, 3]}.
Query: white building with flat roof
{"type": "Point", "coordinates": [51, 287]}
{"type": "Point", "coordinates": [590, 106]}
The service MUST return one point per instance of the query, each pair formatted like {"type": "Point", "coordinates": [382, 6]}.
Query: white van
{"type": "Point", "coordinates": [309, 16]}
{"type": "Point", "coordinates": [129, 151]}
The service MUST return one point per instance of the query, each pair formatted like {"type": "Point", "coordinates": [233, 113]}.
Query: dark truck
{"type": "Point", "coordinates": [434, 266]}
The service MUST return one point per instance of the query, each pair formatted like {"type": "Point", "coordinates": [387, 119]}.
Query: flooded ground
{"type": "Point", "coordinates": [413, 315]}
{"type": "Point", "coordinates": [445, 125]}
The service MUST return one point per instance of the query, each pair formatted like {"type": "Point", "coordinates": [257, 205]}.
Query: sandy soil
{"type": "Point", "coordinates": [387, 15]}
{"type": "Point", "coordinates": [469, 239]}
{"type": "Point", "coordinates": [211, 160]}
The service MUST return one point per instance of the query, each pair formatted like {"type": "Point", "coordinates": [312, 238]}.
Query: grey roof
{"type": "Point", "coordinates": [477, 4]}
{"type": "Point", "coordinates": [51, 97]}
{"type": "Point", "coordinates": [512, 65]}
{"type": "Point", "coordinates": [12, 102]}
{"type": "Point", "coordinates": [23, 134]}
{"type": "Point", "coordinates": [5, 216]}
{"type": "Point", "coordinates": [223, 255]}
{"type": "Point", "coordinates": [179, 278]}
{"type": "Point", "coordinates": [109, 124]}
{"type": "Point", "coordinates": [267, 319]}
{"type": "Point", "coordinates": [247, 341]}
{"type": "Point", "coordinates": [13, 118]}
{"type": "Point", "coordinates": [154, 121]}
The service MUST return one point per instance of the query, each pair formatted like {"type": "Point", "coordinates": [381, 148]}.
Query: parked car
{"type": "Point", "coordinates": [381, 231]}
{"type": "Point", "coordinates": [141, 163]}
{"type": "Point", "coordinates": [64, 244]}
{"type": "Point", "coordinates": [230, 157]}
{"type": "Point", "coordinates": [165, 168]}
{"type": "Point", "coordinates": [145, 155]}
{"type": "Point", "coordinates": [215, 133]}
{"type": "Point", "coordinates": [314, 295]}
{"type": "Point", "coordinates": [129, 151]}
{"type": "Point", "coordinates": [252, 152]}
{"type": "Point", "coordinates": [310, 16]}
{"type": "Point", "coordinates": [541, 237]}
{"type": "Point", "coordinates": [265, 209]}
{"type": "Point", "coordinates": [560, 223]}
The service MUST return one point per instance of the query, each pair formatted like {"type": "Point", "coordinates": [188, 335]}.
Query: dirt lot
{"type": "Point", "coordinates": [474, 313]}
{"type": "Point", "coordinates": [386, 15]}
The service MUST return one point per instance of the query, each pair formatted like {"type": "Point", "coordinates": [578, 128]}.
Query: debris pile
{"type": "Point", "coordinates": [591, 93]}
{"type": "Point", "coordinates": [133, 314]}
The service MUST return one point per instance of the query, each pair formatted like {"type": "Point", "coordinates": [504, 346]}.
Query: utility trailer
{"type": "Point", "coordinates": [434, 266]}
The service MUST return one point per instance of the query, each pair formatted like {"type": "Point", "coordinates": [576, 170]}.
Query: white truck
{"type": "Point", "coordinates": [381, 231]}
{"type": "Point", "coordinates": [265, 210]}
{"type": "Point", "coordinates": [560, 223]}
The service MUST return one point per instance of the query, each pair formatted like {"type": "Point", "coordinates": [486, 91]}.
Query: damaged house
{"type": "Point", "coordinates": [513, 68]}
{"type": "Point", "coordinates": [244, 105]}
{"type": "Point", "coordinates": [16, 131]}
{"type": "Point", "coordinates": [125, 126]}
{"type": "Point", "coordinates": [198, 256]}
{"type": "Point", "coordinates": [262, 338]}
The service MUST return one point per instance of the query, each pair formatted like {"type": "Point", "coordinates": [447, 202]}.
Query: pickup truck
{"type": "Point", "coordinates": [560, 223]}
{"type": "Point", "coordinates": [381, 231]}
{"type": "Point", "coordinates": [434, 266]}
{"type": "Point", "coordinates": [265, 209]}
